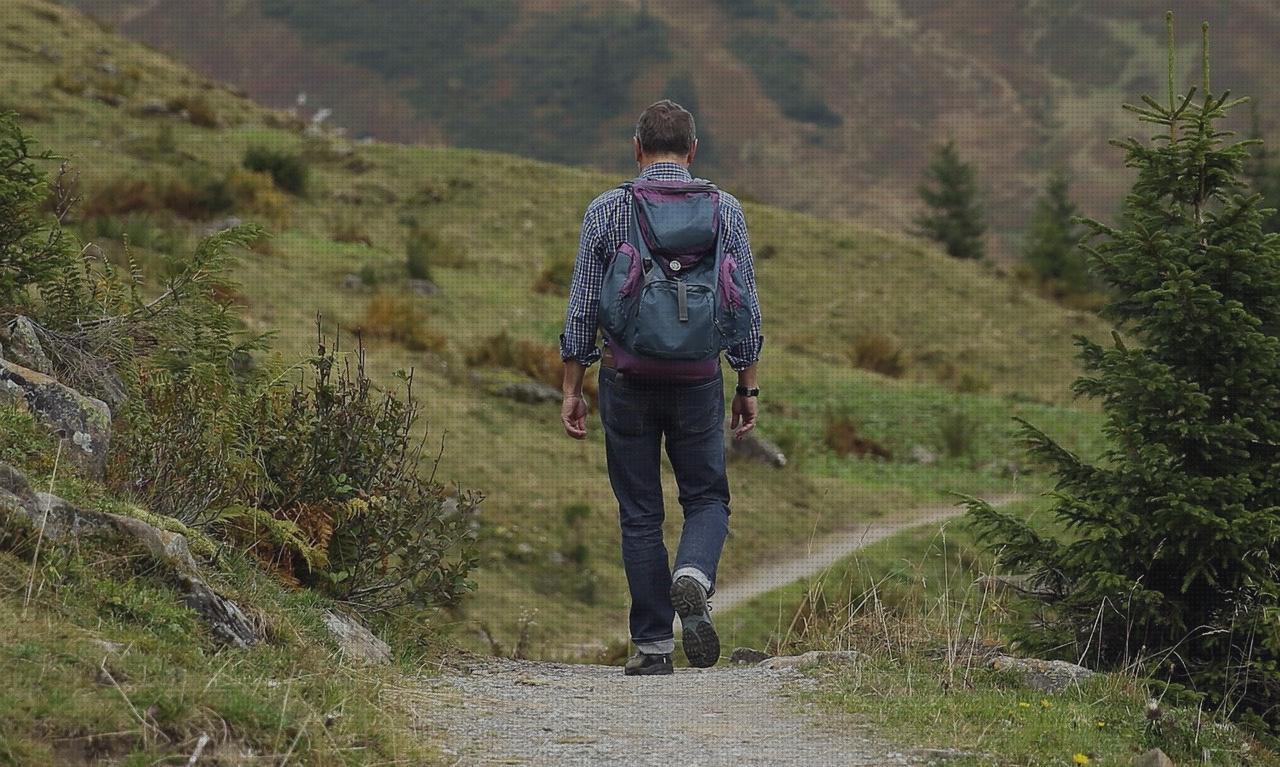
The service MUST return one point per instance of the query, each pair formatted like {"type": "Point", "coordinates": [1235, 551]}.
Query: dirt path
{"type": "Point", "coordinates": [543, 714]}
{"type": "Point", "coordinates": [828, 550]}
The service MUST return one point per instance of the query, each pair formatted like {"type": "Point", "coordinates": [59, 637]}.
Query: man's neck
{"type": "Point", "coordinates": [670, 159]}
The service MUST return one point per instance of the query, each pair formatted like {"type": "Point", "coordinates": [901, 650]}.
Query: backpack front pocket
{"type": "Point", "coordinates": [676, 321]}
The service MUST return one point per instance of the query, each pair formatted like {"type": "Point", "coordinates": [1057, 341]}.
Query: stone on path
{"type": "Point", "coordinates": [748, 656]}
{"type": "Point", "coordinates": [811, 659]}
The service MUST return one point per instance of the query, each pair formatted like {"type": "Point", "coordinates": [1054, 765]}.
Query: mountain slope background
{"type": "Point", "coordinates": [877, 344]}
{"type": "Point", "coordinates": [822, 106]}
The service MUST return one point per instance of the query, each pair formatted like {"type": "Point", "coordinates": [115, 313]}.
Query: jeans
{"type": "Point", "coordinates": [636, 415]}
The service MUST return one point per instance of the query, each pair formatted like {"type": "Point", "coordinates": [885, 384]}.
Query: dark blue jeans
{"type": "Point", "coordinates": [636, 415]}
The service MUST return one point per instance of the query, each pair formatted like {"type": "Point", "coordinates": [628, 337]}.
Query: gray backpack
{"type": "Point", "coordinates": [672, 299]}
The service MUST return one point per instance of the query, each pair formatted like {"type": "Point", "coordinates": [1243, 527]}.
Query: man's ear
{"type": "Point", "coordinates": [692, 151]}
{"type": "Point", "coordinates": [635, 145]}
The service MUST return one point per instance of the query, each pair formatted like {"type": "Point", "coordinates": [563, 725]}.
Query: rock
{"type": "Point", "coordinates": [60, 520]}
{"type": "Point", "coordinates": [22, 345]}
{"type": "Point", "coordinates": [153, 107]}
{"type": "Point", "coordinates": [1153, 758]}
{"type": "Point", "coordinates": [423, 287]}
{"type": "Point", "coordinates": [922, 455]}
{"type": "Point", "coordinates": [352, 282]}
{"type": "Point", "coordinates": [112, 648]}
{"type": "Point", "coordinates": [748, 656]}
{"type": "Point", "coordinates": [754, 447]}
{"type": "Point", "coordinates": [1047, 676]}
{"type": "Point", "coordinates": [530, 393]}
{"type": "Point", "coordinates": [811, 659]}
{"type": "Point", "coordinates": [356, 642]}
{"type": "Point", "coordinates": [82, 423]}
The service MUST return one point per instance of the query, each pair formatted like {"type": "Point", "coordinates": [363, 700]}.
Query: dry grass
{"type": "Point", "coordinates": [879, 353]}
{"type": "Point", "coordinates": [841, 435]}
{"type": "Point", "coordinates": [399, 319]}
{"type": "Point", "coordinates": [538, 361]}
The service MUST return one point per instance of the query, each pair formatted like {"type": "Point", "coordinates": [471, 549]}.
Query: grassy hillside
{"type": "Point", "coordinates": [826, 106]}
{"type": "Point", "coordinates": [961, 348]}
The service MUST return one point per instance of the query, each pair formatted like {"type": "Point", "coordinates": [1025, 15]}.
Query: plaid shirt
{"type": "Point", "coordinates": [604, 229]}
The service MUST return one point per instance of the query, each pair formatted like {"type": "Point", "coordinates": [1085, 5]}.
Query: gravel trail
{"type": "Point", "coordinates": [506, 712]}
{"type": "Point", "coordinates": [544, 714]}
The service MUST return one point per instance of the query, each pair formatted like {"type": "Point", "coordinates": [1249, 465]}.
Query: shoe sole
{"type": "Point", "coordinates": [701, 642]}
{"type": "Point", "coordinates": [663, 670]}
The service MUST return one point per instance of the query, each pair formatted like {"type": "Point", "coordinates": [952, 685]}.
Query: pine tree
{"type": "Point", "coordinates": [1174, 535]}
{"type": "Point", "coordinates": [1263, 174]}
{"type": "Point", "coordinates": [955, 215]}
{"type": "Point", "coordinates": [1053, 240]}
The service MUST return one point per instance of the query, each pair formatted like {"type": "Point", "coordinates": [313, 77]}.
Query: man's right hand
{"type": "Point", "coordinates": [573, 413]}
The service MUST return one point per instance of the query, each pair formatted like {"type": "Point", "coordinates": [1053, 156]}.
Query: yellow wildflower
{"type": "Point", "coordinates": [1044, 703]}
{"type": "Point", "coordinates": [1081, 759]}
{"type": "Point", "coordinates": [1023, 704]}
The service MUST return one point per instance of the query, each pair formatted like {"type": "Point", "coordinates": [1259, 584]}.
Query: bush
{"type": "Point", "coordinates": [424, 249]}
{"type": "Point", "coordinates": [540, 362]}
{"type": "Point", "coordinates": [841, 435]}
{"type": "Point", "coordinates": [198, 110]}
{"type": "Point", "coordinates": [879, 353]}
{"type": "Point", "coordinates": [256, 193]}
{"type": "Point", "coordinates": [399, 319]}
{"type": "Point", "coordinates": [288, 171]}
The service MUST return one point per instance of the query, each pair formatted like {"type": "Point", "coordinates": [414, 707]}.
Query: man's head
{"type": "Point", "coordinates": [665, 133]}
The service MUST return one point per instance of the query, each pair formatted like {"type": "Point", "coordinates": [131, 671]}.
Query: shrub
{"type": "Point", "coordinates": [540, 362]}
{"type": "Point", "coordinates": [349, 230]}
{"type": "Point", "coordinates": [841, 435]}
{"type": "Point", "coordinates": [288, 171]}
{"type": "Point", "coordinates": [198, 110]}
{"type": "Point", "coordinates": [399, 319]}
{"type": "Point", "coordinates": [555, 276]}
{"type": "Point", "coordinates": [424, 249]}
{"type": "Point", "coordinates": [957, 430]}
{"type": "Point", "coordinates": [256, 193]}
{"type": "Point", "coordinates": [879, 353]}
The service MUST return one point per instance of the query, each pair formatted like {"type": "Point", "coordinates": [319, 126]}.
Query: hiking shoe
{"type": "Point", "coordinates": [643, 664]}
{"type": "Point", "coordinates": [701, 643]}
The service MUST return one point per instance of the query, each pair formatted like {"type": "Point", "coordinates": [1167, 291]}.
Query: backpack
{"type": "Point", "coordinates": [672, 298]}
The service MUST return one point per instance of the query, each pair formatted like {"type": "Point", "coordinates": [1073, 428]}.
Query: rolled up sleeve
{"type": "Point", "coordinates": [747, 352]}
{"type": "Point", "coordinates": [578, 341]}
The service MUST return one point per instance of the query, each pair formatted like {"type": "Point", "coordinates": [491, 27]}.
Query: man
{"type": "Point", "coordinates": [637, 411]}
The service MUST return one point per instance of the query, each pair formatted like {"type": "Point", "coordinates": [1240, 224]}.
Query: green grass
{"type": "Point", "coordinates": [825, 285]}
{"type": "Point", "coordinates": [161, 683]}
{"type": "Point", "coordinates": [909, 604]}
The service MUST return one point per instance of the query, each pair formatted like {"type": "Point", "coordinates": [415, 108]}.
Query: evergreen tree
{"type": "Point", "coordinates": [955, 217]}
{"type": "Point", "coordinates": [1053, 240]}
{"type": "Point", "coordinates": [1174, 535]}
{"type": "Point", "coordinates": [1263, 174]}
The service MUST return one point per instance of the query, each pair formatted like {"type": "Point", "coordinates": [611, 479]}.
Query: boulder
{"type": "Point", "coordinates": [81, 422]}
{"type": "Point", "coordinates": [22, 345]}
{"type": "Point", "coordinates": [1047, 676]}
{"type": "Point", "coordinates": [811, 659]}
{"type": "Point", "coordinates": [531, 393]}
{"type": "Point", "coordinates": [753, 447]}
{"type": "Point", "coordinates": [355, 642]}
{"type": "Point", "coordinates": [60, 520]}
{"type": "Point", "coordinates": [1153, 758]}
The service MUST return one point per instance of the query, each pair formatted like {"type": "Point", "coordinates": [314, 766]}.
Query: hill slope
{"type": "Point", "coordinates": [827, 106]}
{"type": "Point", "coordinates": [972, 348]}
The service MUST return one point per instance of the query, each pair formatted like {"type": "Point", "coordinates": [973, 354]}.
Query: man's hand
{"type": "Point", "coordinates": [573, 413]}
{"type": "Point", "coordinates": [745, 412]}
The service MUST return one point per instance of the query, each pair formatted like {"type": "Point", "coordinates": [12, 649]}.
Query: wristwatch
{"type": "Point", "coordinates": [745, 392]}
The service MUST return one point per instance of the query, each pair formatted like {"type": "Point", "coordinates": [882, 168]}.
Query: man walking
{"type": "Point", "coordinates": [665, 269]}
